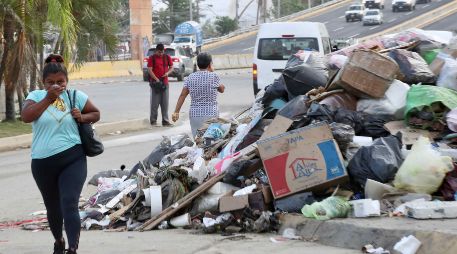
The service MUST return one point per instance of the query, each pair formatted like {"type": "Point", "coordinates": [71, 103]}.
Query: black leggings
{"type": "Point", "coordinates": [60, 179]}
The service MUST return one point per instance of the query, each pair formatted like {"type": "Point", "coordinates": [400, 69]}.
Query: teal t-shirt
{"type": "Point", "coordinates": [55, 130]}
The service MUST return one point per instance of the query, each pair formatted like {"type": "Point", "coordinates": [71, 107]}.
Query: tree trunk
{"type": "Point", "coordinates": [10, 114]}
{"type": "Point", "coordinates": [20, 95]}
{"type": "Point", "coordinates": [33, 68]}
{"type": "Point", "coordinates": [8, 34]}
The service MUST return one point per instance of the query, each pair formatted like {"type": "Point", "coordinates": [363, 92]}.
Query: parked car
{"type": "Point", "coordinates": [374, 4]}
{"type": "Point", "coordinates": [354, 12]}
{"type": "Point", "coordinates": [372, 17]}
{"type": "Point", "coordinates": [403, 5]}
{"type": "Point", "coordinates": [183, 62]}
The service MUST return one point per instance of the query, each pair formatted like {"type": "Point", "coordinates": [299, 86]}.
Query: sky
{"type": "Point", "coordinates": [224, 8]}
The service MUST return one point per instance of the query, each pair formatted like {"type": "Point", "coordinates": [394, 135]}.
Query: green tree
{"type": "Point", "coordinates": [209, 29]}
{"type": "Point", "coordinates": [177, 11]}
{"type": "Point", "coordinates": [225, 25]}
{"type": "Point", "coordinates": [79, 24]}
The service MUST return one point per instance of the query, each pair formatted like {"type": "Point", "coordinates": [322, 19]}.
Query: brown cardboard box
{"type": "Point", "coordinates": [256, 200]}
{"type": "Point", "coordinates": [230, 203]}
{"type": "Point", "coordinates": [367, 74]}
{"type": "Point", "coordinates": [304, 159]}
{"type": "Point", "coordinates": [409, 135]}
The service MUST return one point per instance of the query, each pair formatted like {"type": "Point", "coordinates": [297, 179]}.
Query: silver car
{"type": "Point", "coordinates": [183, 62]}
{"type": "Point", "coordinates": [372, 17]}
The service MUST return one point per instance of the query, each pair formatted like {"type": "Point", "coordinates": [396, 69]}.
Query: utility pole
{"type": "Point", "coordinates": [190, 10]}
{"type": "Point", "coordinates": [279, 9]}
{"type": "Point", "coordinates": [237, 5]}
{"type": "Point", "coordinates": [198, 11]}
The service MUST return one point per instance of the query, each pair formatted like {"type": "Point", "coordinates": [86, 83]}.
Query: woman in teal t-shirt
{"type": "Point", "coordinates": [59, 164]}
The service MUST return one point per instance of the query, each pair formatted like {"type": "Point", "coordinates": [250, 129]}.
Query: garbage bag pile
{"type": "Point", "coordinates": [369, 130]}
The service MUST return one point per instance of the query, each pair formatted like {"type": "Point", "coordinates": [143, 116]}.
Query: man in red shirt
{"type": "Point", "coordinates": [160, 66]}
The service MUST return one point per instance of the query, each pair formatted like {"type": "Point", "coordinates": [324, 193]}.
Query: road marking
{"type": "Point", "coordinates": [341, 17]}
{"type": "Point", "coordinates": [409, 13]}
{"type": "Point", "coordinates": [425, 6]}
{"type": "Point", "coordinates": [325, 22]}
{"type": "Point", "coordinates": [352, 36]}
{"type": "Point", "coordinates": [392, 20]}
{"type": "Point", "coordinates": [248, 49]}
{"type": "Point", "coordinates": [338, 29]}
{"type": "Point", "coordinates": [374, 27]}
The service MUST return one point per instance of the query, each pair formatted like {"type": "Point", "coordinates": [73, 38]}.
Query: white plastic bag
{"type": "Point", "coordinates": [448, 74]}
{"type": "Point", "coordinates": [393, 103]}
{"type": "Point", "coordinates": [423, 170]}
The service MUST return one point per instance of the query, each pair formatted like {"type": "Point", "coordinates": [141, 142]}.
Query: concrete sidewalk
{"type": "Point", "coordinates": [104, 129]}
{"type": "Point", "coordinates": [436, 236]}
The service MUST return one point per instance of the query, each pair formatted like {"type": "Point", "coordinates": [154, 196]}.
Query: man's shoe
{"type": "Point", "coordinates": [59, 246]}
{"type": "Point", "coordinates": [71, 251]}
{"type": "Point", "coordinates": [154, 124]}
{"type": "Point", "coordinates": [167, 124]}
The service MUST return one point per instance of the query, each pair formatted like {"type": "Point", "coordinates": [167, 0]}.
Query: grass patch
{"type": "Point", "coordinates": [9, 129]}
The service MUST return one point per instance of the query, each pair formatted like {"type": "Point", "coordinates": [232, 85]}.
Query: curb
{"type": "Point", "coordinates": [103, 129]}
{"type": "Point", "coordinates": [436, 236]}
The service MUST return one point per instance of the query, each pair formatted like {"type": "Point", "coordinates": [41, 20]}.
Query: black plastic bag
{"type": "Point", "coordinates": [449, 186]}
{"type": "Point", "coordinates": [313, 59]}
{"type": "Point", "coordinates": [320, 112]}
{"type": "Point", "coordinates": [293, 61]}
{"type": "Point", "coordinates": [277, 90]}
{"type": "Point", "coordinates": [343, 135]}
{"type": "Point", "coordinates": [413, 67]}
{"type": "Point", "coordinates": [301, 79]}
{"type": "Point", "coordinates": [373, 126]}
{"type": "Point", "coordinates": [294, 203]}
{"type": "Point", "coordinates": [254, 134]}
{"type": "Point", "coordinates": [295, 109]}
{"type": "Point", "coordinates": [237, 169]}
{"type": "Point", "coordinates": [115, 173]}
{"type": "Point", "coordinates": [351, 118]}
{"type": "Point", "coordinates": [166, 147]}
{"type": "Point", "coordinates": [379, 162]}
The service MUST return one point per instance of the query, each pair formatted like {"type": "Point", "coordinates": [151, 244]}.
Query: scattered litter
{"type": "Point", "coordinates": [408, 245]}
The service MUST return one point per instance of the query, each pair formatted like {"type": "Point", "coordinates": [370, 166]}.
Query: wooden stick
{"type": "Point", "coordinates": [183, 202]}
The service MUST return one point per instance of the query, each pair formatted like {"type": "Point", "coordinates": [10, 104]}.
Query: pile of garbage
{"type": "Point", "coordinates": [369, 130]}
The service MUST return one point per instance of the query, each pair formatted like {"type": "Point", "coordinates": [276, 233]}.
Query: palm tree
{"type": "Point", "coordinates": [24, 23]}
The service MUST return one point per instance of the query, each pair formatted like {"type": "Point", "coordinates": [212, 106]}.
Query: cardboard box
{"type": "Point", "coordinates": [258, 200]}
{"type": "Point", "coordinates": [304, 159]}
{"type": "Point", "coordinates": [409, 135]}
{"type": "Point", "coordinates": [367, 74]}
{"type": "Point", "coordinates": [230, 203]}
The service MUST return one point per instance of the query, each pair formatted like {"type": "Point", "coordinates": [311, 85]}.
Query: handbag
{"type": "Point", "coordinates": [90, 141]}
{"type": "Point", "coordinates": [158, 86]}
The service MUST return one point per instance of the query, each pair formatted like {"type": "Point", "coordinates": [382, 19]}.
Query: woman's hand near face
{"type": "Point", "coordinates": [53, 92]}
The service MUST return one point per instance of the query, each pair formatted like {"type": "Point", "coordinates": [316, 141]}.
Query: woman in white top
{"type": "Point", "coordinates": [203, 87]}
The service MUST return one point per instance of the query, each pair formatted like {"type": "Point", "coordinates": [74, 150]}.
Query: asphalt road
{"type": "Point", "coordinates": [339, 28]}
{"type": "Point", "coordinates": [448, 24]}
{"type": "Point", "coordinates": [128, 98]}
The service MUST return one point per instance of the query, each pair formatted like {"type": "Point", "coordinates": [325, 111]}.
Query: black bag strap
{"type": "Point", "coordinates": [72, 102]}
{"type": "Point", "coordinates": [164, 61]}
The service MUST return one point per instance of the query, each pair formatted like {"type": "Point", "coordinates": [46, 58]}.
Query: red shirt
{"type": "Point", "coordinates": [160, 67]}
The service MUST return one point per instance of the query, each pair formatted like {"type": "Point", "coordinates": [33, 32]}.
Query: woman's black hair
{"type": "Point", "coordinates": [54, 64]}
{"type": "Point", "coordinates": [204, 60]}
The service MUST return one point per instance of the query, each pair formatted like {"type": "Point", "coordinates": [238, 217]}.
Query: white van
{"type": "Point", "coordinates": [276, 42]}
